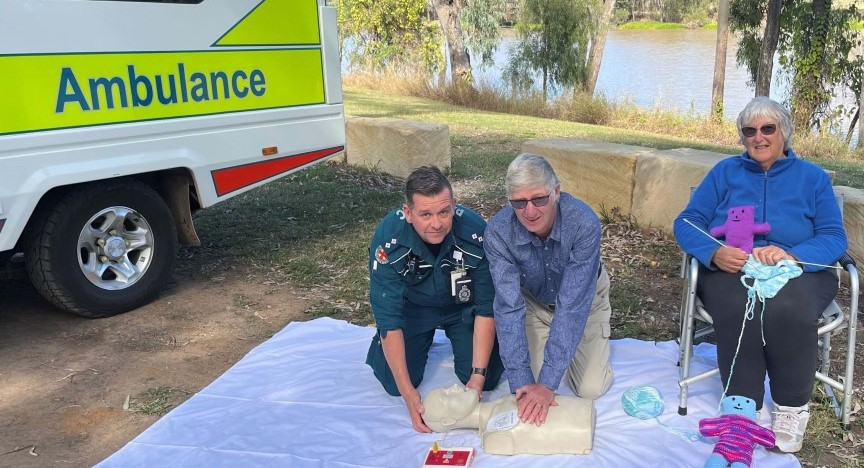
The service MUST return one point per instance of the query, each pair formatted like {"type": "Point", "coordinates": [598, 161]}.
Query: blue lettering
{"type": "Point", "coordinates": [239, 92]}
{"type": "Point", "coordinates": [199, 87]}
{"type": "Point", "coordinates": [256, 82]}
{"type": "Point", "coordinates": [182, 71]}
{"type": "Point", "coordinates": [108, 85]}
{"type": "Point", "coordinates": [67, 79]}
{"type": "Point", "coordinates": [134, 82]}
{"type": "Point", "coordinates": [215, 77]}
{"type": "Point", "coordinates": [159, 90]}
{"type": "Point", "coordinates": [139, 89]}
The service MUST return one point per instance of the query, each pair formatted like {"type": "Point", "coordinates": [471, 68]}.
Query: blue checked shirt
{"type": "Point", "coordinates": [562, 270]}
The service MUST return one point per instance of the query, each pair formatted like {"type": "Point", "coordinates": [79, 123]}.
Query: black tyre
{"type": "Point", "coordinates": [102, 249]}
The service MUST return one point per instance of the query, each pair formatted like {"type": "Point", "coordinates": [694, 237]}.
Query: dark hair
{"type": "Point", "coordinates": [427, 181]}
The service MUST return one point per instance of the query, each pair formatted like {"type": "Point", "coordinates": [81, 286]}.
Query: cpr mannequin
{"type": "Point", "coordinates": [569, 427]}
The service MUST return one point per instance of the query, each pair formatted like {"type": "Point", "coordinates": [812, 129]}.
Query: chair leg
{"type": "Point", "coordinates": [850, 349]}
{"type": "Point", "coordinates": [686, 346]}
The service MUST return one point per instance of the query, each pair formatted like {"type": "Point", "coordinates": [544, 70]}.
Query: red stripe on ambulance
{"type": "Point", "coordinates": [234, 178]}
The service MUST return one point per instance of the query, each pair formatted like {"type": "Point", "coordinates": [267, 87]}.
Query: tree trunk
{"type": "Point", "coordinates": [598, 42]}
{"type": "Point", "coordinates": [769, 46]}
{"type": "Point", "coordinates": [460, 61]}
{"type": "Point", "coordinates": [860, 143]}
{"type": "Point", "coordinates": [720, 60]}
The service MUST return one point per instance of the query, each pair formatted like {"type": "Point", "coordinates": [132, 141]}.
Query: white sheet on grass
{"type": "Point", "coordinates": [305, 398]}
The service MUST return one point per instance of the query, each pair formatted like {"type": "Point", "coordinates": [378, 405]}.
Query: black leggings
{"type": "Point", "coordinates": [790, 353]}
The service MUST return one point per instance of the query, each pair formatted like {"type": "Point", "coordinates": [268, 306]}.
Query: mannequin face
{"type": "Point", "coordinates": [447, 406]}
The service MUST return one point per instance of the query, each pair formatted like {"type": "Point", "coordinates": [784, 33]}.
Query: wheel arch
{"type": "Point", "coordinates": [176, 186]}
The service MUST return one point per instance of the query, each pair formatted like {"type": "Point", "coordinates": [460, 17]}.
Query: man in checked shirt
{"type": "Point", "coordinates": [551, 290]}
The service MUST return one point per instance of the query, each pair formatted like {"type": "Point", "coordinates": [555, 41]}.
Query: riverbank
{"type": "Point", "coordinates": [597, 118]}
{"type": "Point", "coordinates": [657, 25]}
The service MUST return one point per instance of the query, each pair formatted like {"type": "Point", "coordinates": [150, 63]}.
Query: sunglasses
{"type": "Point", "coordinates": [521, 204]}
{"type": "Point", "coordinates": [768, 129]}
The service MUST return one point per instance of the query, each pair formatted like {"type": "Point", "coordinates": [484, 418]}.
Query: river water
{"type": "Point", "coordinates": [666, 69]}
{"type": "Point", "coordinates": [669, 69]}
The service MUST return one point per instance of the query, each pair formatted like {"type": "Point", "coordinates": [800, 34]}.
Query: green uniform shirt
{"type": "Point", "coordinates": [408, 283]}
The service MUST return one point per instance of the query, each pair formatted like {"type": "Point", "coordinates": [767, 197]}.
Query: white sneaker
{"type": "Point", "coordinates": [790, 422]}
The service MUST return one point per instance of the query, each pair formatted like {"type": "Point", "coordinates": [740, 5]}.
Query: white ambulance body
{"type": "Point", "coordinates": [118, 119]}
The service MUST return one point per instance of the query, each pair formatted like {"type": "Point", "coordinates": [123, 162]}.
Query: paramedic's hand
{"type": "Point", "coordinates": [533, 401]}
{"type": "Point", "coordinates": [414, 405]}
{"type": "Point", "coordinates": [730, 259]}
{"type": "Point", "coordinates": [476, 383]}
{"type": "Point", "coordinates": [771, 254]}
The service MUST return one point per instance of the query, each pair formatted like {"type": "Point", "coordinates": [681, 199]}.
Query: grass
{"type": "Point", "coordinates": [312, 228]}
{"type": "Point", "coordinates": [601, 119]}
{"type": "Point", "coordinates": [154, 402]}
{"type": "Point", "coordinates": [645, 25]}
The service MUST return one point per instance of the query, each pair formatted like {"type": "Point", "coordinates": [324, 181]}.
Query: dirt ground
{"type": "Point", "coordinates": [64, 380]}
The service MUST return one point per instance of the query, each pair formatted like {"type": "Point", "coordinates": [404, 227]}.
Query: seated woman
{"type": "Point", "coordinates": [796, 199]}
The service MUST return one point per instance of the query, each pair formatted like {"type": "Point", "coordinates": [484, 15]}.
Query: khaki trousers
{"type": "Point", "coordinates": [589, 373]}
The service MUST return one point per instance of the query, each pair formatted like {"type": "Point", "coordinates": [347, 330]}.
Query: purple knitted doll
{"type": "Point", "coordinates": [738, 434]}
{"type": "Point", "coordinates": [740, 227]}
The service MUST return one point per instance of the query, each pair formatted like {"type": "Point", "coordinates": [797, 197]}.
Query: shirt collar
{"type": "Point", "coordinates": [409, 238]}
{"type": "Point", "coordinates": [522, 236]}
{"type": "Point", "coordinates": [778, 166]}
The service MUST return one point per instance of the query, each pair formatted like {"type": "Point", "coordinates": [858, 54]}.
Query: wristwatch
{"type": "Point", "coordinates": [478, 371]}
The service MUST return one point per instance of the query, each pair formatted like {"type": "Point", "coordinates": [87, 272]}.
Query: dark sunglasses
{"type": "Point", "coordinates": [768, 129]}
{"type": "Point", "coordinates": [521, 204]}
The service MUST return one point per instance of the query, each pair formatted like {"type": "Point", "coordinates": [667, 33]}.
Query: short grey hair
{"type": "Point", "coordinates": [530, 170]}
{"type": "Point", "coordinates": [762, 106]}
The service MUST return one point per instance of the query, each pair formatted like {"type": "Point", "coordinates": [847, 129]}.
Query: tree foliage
{"type": "Point", "coordinates": [693, 12]}
{"type": "Point", "coordinates": [553, 42]}
{"type": "Point", "coordinates": [480, 20]}
{"type": "Point", "coordinates": [816, 51]}
{"type": "Point", "coordinates": [389, 34]}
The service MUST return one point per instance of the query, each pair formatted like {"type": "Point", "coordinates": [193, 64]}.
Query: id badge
{"type": "Point", "coordinates": [455, 276]}
{"type": "Point", "coordinates": [464, 291]}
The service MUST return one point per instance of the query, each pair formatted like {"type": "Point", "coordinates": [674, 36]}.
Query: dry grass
{"type": "Point", "coordinates": [594, 110]}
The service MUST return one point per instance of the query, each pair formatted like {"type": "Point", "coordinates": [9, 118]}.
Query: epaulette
{"type": "Point", "coordinates": [469, 226]}
{"type": "Point", "coordinates": [388, 248]}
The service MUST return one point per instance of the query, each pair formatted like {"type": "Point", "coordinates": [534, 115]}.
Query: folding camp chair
{"type": "Point", "coordinates": [832, 322]}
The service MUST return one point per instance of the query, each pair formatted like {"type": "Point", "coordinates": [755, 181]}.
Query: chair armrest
{"type": "Point", "coordinates": [847, 260]}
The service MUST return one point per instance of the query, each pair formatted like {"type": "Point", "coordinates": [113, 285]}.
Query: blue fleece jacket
{"type": "Point", "coordinates": [794, 196]}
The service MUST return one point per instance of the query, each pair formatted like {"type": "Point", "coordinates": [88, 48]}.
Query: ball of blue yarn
{"type": "Point", "coordinates": [643, 402]}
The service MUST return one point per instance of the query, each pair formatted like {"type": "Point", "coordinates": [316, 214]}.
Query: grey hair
{"type": "Point", "coordinates": [427, 181]}
{"type": "Point", "coordinates": [762, 106]}
{"type": "Point", "coordinates": [530, 170]}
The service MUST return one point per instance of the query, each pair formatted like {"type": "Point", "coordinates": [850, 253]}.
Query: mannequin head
{"type": "Point", "coordinates": [451, 408]}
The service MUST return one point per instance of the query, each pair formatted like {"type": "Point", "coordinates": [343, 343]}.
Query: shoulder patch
{"type": "Point", "coordinates": [381, 255]}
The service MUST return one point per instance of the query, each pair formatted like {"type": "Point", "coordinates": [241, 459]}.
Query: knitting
{"type": "Point", "coordinates": [645, 402]}
{"type": "Point", "coordinates": [740, 227]}
{"type": "Point", "coordinates": [737, 432]}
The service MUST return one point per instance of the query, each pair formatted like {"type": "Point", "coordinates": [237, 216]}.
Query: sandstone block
{"type": "Point", "coordinates": [396, 146]}
{"type": "Point", "coordinates": [601, 174]}
{"type": "Point", "coordinates": [853, 221]}
{"type": "Point", "coordinates": [663, 183]}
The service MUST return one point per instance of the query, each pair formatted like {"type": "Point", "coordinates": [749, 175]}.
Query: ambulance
{"type": "Point", "coordinates": [120, 119]}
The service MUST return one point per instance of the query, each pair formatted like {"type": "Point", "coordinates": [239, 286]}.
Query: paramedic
{"type": "Point", "coordinates": [428, 271]}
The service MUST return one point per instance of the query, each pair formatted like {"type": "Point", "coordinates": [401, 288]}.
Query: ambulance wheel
{"type": "Point", "coordinates": [102, 249]}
